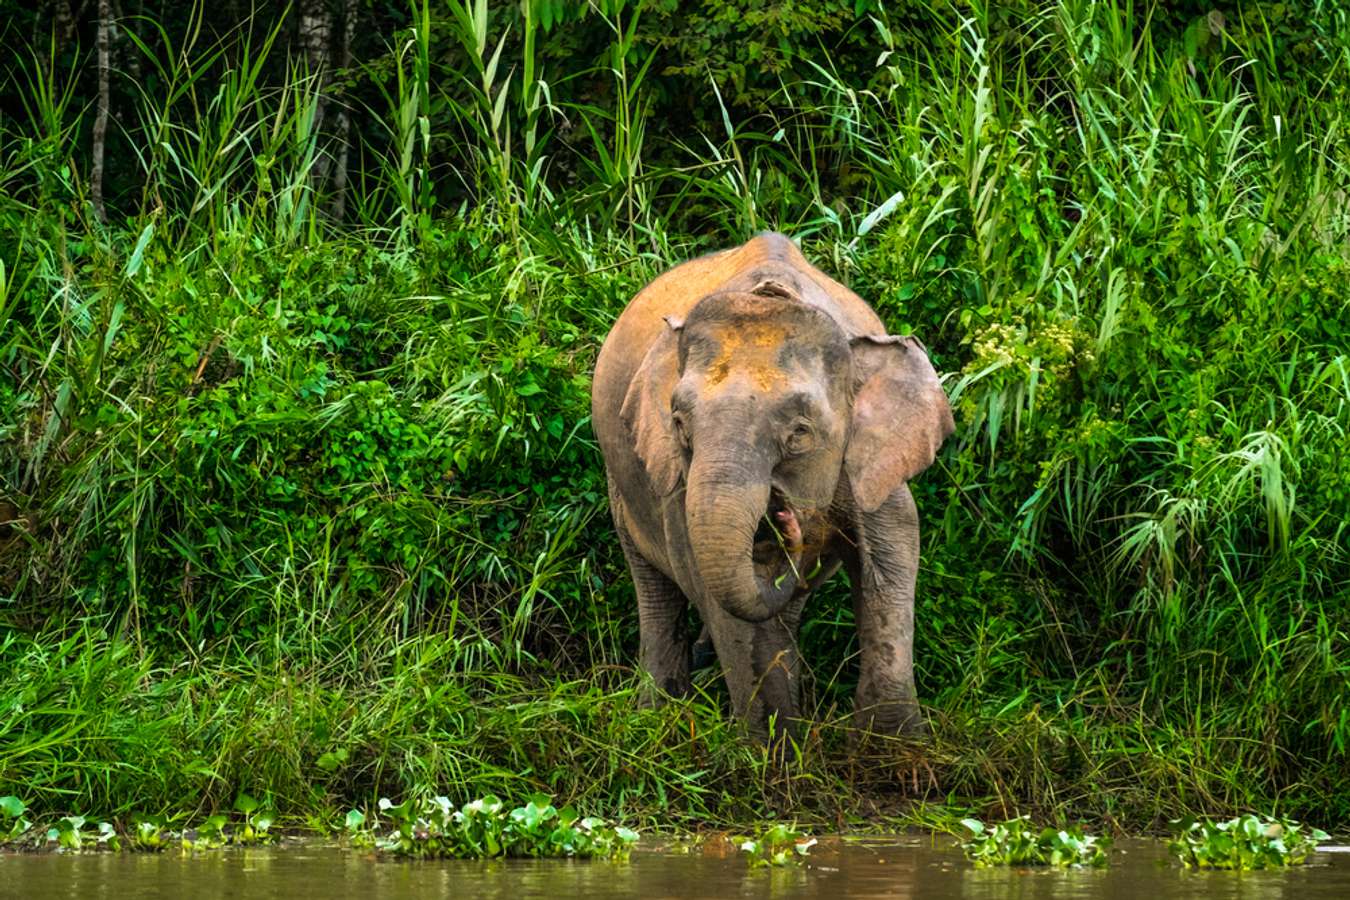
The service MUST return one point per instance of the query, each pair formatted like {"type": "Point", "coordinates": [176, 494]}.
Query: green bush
{"type": "Point", "coordinates": [12, 810]}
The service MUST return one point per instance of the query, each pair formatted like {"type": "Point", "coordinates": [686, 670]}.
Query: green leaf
{"type": "Point", "coordinates": [886, 207]}
{"type": "Point", "coordinates": [137, 255]}
{"type": "Point", "coordinates": [974, 826]}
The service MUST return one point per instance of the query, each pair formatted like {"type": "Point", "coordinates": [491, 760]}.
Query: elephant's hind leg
{"type": "Point", "coordinates": [664, 650]}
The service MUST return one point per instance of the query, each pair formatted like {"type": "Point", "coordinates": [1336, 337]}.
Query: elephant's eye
{"type": "Point", "coordinates": [681, 428]}
{"type": "Point", "coordinates": [801, 438]}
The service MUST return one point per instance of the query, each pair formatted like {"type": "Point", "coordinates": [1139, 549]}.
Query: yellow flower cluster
{"type": "Point", "coordinates": [1059, 346]}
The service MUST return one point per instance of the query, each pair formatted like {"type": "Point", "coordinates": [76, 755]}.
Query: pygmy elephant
{"type": "Point", "coordinates": [758, 427]}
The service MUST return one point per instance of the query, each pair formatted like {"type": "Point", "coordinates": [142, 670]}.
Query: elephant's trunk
{"type": "Point", "coordinates": [724, 503]}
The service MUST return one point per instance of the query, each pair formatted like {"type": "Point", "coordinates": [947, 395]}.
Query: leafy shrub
{"type": "Point", "coordinates": [431, 827]}
{"type": "Point", "coordinates": [1017, 842]}
{"type": "Point", "coordinates": [147, 833]}
{"type": "Point", "coordinates": [211, 834]}
{"type": "Point", "coordinates": [1246, 842]}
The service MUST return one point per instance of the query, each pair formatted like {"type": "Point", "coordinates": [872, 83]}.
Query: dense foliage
{"type": "Point", "coordinates": [300, 498]}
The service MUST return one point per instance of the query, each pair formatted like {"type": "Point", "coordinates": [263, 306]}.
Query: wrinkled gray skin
{"type": "Point", "coordinates": [759, 427]}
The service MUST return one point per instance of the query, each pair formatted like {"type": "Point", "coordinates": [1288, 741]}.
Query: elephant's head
{"type": "Point", "coordinates": [758, 404]}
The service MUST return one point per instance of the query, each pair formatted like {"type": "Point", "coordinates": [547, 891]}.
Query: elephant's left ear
{"type": "Point", "coordinates": [646, 411]}
{"type": "Point", "coordinates": [900, 416]}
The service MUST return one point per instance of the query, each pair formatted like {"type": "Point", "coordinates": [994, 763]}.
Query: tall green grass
{"type": "Point", "coordinates": [273, 486]}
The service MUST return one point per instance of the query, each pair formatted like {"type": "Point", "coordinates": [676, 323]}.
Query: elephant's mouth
{"type": "Point", "coordinates": [770, 552]}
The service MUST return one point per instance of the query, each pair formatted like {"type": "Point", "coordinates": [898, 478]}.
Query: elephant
{"type": "Point", "coordinates": [759, 428]}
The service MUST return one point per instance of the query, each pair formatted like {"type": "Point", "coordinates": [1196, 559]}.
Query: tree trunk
{"type": "Point", "coordinates": [316, 36]}
{"type": "Point", "coordinates": [101, 116]}
{"type": "Point", "coordinates": [344, 113]}
{"type": "Point", "coordinates": [55, 21]}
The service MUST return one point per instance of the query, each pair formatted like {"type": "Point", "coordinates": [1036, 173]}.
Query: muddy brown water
{"type": "Point", "coordinates": [892, 868]}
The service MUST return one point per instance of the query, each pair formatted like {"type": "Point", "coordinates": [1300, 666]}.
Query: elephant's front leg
{"type": "Point", "coordinates": [762, 668]}
{"type": "Point", "coordinates": [663, 642]}
{"type": "Point", "coordinates": [882, 567]}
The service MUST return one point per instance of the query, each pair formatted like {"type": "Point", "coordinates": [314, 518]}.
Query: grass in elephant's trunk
{"type": "Point", "coordinates": [778, 541]}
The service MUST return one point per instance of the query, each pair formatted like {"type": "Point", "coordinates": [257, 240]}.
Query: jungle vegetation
{"type": "Point", "coordinates": [298, 305]}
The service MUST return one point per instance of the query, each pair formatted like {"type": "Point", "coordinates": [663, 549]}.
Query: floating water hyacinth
{"type": "Point", "coordinates": [1247, 842]}
{"type": "Point", "coordinates": [777, 845]}
{"type": "Point", "coordinates": [1017, 842]}
{"type": "Point", "coordinates": [431, 827]}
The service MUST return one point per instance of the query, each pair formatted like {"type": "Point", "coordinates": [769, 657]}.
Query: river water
{"type": "Point", "coordinates": [892, 868]}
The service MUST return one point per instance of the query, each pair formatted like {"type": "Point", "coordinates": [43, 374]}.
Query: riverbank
{"type": "Point", "coordinates": [95, 728]}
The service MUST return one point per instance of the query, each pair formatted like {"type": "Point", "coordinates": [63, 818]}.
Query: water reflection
{"type": "Point", "coordinates": [895, 868]}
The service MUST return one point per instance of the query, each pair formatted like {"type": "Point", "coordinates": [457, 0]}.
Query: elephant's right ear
{"type": "Point", "coordinates": [646, 410]}
{"type": "Point", "coordinates": [900, 416]}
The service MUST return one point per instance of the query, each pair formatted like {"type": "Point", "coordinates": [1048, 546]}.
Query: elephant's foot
{"type": "Point", "coordinates": [665, 677]}
{"type": "Point", "coordinates": [900, 718]}
{"type": "Point", "coordinates": [781, 733]}
{"type": "Point", "coordinates": [655, 693]}
{"type": "Point", "coordinates": [892, 739]}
